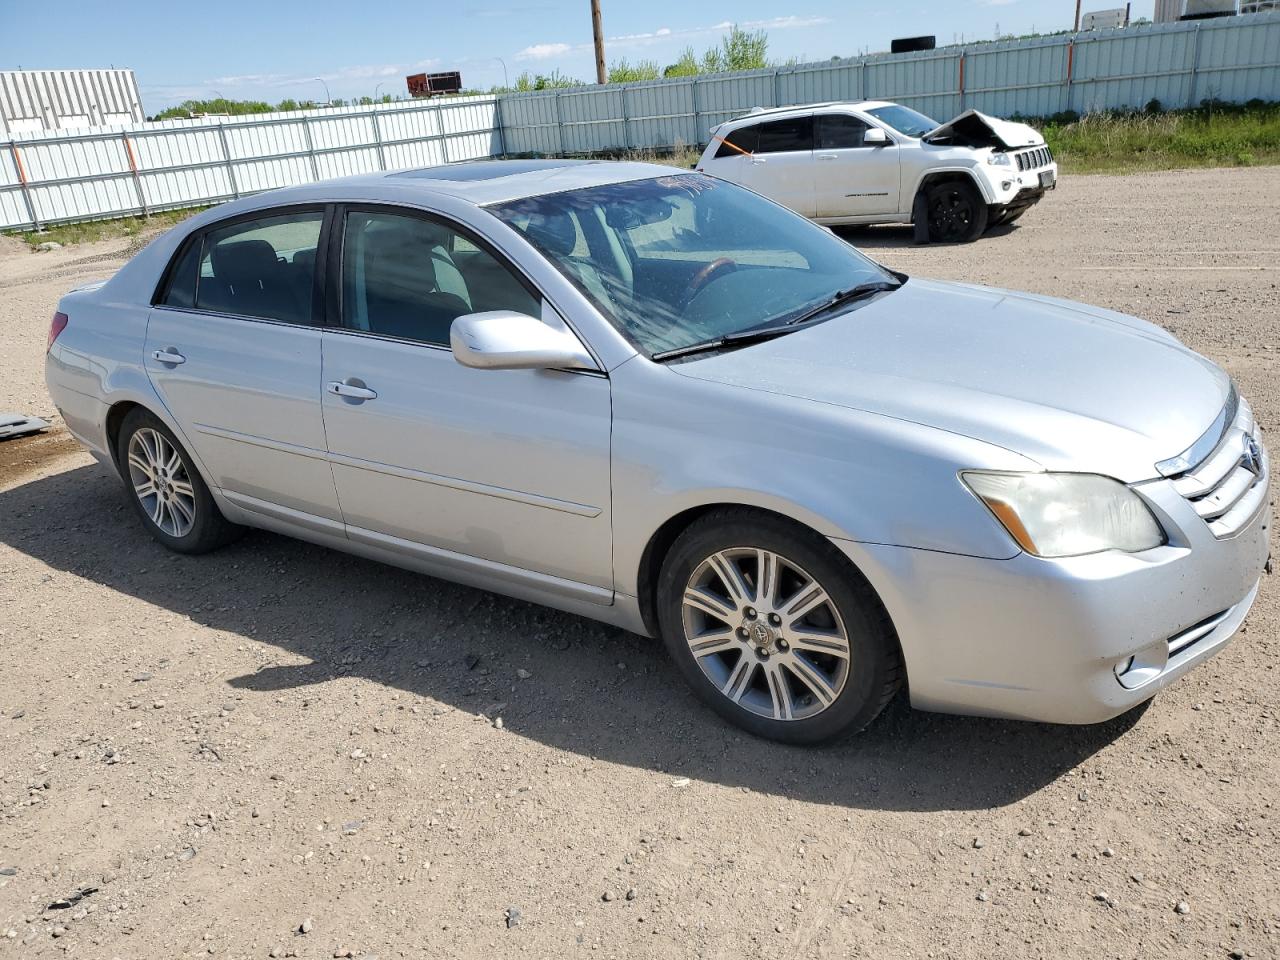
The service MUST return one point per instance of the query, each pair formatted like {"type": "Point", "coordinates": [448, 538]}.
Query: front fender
{"type": "Point", "coordinates": [681, 443]}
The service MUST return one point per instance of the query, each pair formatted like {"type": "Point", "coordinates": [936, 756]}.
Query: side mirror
{"type": "Point", "coordinates": [875, 137]}
{"type": "Point", "coordinates": [505, 340]}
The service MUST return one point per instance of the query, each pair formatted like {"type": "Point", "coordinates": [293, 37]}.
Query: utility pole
{"type": "Point", "coordinates": [597, 30]}
{"type": "Point", "coordinates": [1078, 2]}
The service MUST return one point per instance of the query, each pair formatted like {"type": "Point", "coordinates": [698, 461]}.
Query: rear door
{"type": "Point", "coordinates": [233, 350]}
{"type": "Point", "coordinates": [852, 178]}
{"type": "Point", "coordinates": [782, 166]}
{"type": "Point", "coordinates": [732, 158]}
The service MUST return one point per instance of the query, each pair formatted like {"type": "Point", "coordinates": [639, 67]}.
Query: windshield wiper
{"type": "Point", "coordinates": [756, 334]}
{"type": "Point", "coordinates": [728, 340]}
{"type": "Point", "coordinates": [844, 296]}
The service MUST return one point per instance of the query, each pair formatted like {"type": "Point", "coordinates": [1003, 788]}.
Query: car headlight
{"type": "Point", "coordinates": [1067, 514]}
{"type": "Point", "coordinates": [999, 160]}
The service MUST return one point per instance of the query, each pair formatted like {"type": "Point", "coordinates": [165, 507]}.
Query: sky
{"type": "Point", "coordinates": [276, 49]}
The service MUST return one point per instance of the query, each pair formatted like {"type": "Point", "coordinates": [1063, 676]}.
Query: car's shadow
{"type": "Point", "coordinates": [897, 237]}
{"type": "Point", "coordinates": [594, 690]}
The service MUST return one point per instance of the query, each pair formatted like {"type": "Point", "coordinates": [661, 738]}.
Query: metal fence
{"type": "Point", "coordinates": [145, 167]}
{"type": "Point", "coordinates": [1179, 64]}
{"type": "Point", "coordinates": [139, 168]}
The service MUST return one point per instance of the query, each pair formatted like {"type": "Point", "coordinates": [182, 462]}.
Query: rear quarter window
{"type": "Point", "coordinates": [740, 141]}
{"type": "Point", "coordinates": [179, 287]}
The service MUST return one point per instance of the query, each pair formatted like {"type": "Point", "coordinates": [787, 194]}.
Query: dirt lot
{"type": "Point", "coordinates": [227, 747]}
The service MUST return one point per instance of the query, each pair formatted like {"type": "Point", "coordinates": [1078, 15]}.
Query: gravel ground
{"type": "Point", "coordinates": [278, 750]}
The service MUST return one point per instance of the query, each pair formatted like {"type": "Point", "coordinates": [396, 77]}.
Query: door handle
{"type": "Point", "coordinates": [356, 391]}
{"type": "Point", "coordinates": [758, 160]}
{"type": "Point", "coordinates": [827, 156]}
{"type": "Point", "coordinates": [168, 355]}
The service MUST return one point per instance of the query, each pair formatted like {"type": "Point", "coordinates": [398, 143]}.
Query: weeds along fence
{"type": "Point", "coordinates": [138, 168]}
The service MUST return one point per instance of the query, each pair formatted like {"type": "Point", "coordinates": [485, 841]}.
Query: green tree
{"type": "Point", "coordinates": [540, 81]}
{"type": "Point", "coordinates": [686, 65]}
{"type": "Point", "coordinates": [738, 50]}
{"type": "Point", "coordinates": [621, 71]}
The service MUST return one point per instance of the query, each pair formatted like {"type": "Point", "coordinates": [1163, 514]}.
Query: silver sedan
{"type": "Point", "coordinates": [658, 400]}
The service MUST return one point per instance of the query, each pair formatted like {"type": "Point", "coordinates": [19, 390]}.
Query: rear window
{"type": "Point", "coordinates": [740, 141]}
{"type": "Point", "coordinates": [786, 136]}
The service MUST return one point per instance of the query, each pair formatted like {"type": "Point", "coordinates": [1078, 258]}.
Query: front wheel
{"type": "Point", "coordinates": [775, 629]}
{"type": "Point", "coordinates": [957, 213]}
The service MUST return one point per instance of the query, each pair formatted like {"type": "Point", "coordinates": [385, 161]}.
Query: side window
{"type": "Point", "coordinates": [839, 131]}
{"type": "Point", "coordinates": [180, 286]}
{"type": "Point", "coordinates": [261, 268]}
{"type": "Point", "coordinates": [407, 277]}
{"type": "Point", "coordinates": [783, 136]}
{"type": "Point", "coordinates": [740, 141]}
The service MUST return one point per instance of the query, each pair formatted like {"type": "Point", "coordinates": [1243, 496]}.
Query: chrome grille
{"type": "Point", "coordinates": [1031, 159]}
{"type": "Point", "coordinates": [1229, 486]}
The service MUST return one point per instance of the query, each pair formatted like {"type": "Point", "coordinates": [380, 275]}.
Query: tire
{"type": "Point", "coordinates": [842, 641]}
{"type": "Point", "coordinates": [957, 213]}
{"type": "Point", "coordinates": [166, 490]}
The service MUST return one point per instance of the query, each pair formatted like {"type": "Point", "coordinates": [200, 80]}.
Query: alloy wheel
{"type": "Point", "coordinates": [765, 633]}
{"type": "Point", "coordinates": [161, 483]}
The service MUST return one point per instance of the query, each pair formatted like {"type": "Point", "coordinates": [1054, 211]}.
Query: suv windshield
{"type": "Point", "coordinates": [904, 120]}
{"type": "Point", "coordinates": [678, 260]}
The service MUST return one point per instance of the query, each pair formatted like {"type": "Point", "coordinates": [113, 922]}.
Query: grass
{"type": "Point", "coordinates": [94, 230]}
{"type": "Point", "coordinates": [1213, 135]}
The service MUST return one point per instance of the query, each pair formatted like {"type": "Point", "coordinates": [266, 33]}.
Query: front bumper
{"type": "Point", "coordinates": [1019, 189]}
{"type": "Point", "coordinates": [1042, 640]}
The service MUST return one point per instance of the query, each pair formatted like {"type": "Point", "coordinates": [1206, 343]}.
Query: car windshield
{"type": "Point", "coordinates": [683, 259]}
{"type": "Point", "coordinates": [904, 119]}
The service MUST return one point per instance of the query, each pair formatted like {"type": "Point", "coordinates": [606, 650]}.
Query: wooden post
{"type": "Point", "coordinates": [133, 168]}
{"type": "Point", "coordinates": [22, 182]}
{"type": "Point", "coordinates": [597, 31]}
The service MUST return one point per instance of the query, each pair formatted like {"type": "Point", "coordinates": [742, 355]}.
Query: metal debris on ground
{"type": "Point", "coordinates": [72, 900]}
{"type": "Point", "coordinates": [17, 425]}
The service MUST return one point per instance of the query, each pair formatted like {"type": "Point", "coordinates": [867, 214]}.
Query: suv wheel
{"type": "Point", "coordinates": [957, 213]}
{"type": "Point", "coordinates": [774, 629]}
{"type": "Point", "coordinates": [166, 490]}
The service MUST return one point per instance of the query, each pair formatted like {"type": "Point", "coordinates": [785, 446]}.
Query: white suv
{"type": "Point", "coordinates": [880, 162]}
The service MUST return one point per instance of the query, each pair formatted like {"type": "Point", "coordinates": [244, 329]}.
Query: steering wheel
{"type": "Point", "coordinates": [716, 268]}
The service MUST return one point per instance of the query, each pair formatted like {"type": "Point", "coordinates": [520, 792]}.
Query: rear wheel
{"type": "Point", "coordinates": [166, 490]}
{"type": "Point", "coordinates": [774, 629]}
{"type": "Point", "coordinates": [957, 213]}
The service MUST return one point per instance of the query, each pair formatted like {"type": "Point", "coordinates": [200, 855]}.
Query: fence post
{"type": "Point", "coordinates": [500, 124]}
{"type": "Point", "coordinates": [1071, 66]}
{"type": "Point", "coordinates": [559, 125]}
{"type": "Point", "coordinates": [697, 112]}
{"type": "Point", "coordinates": [862, 80]}
{"type": "Point", "coordinates": [777, 88]}
{"type": "Point", "coordinates": [226, 153]}
{"type": "Point", "coordinates": [377, 138]}
{"type": "Point", "coordinates": [444, 139]}
{"type": "Point", "coordinates": [962, 56]}
{"type": "Point", "coordinates": [311, 149]}
{"type": "Point", "coordinates": [1195, 65]}
{"type": "Point", "coordinates": [22, 182]}
{"type": "Point", "coordinates": [133, 168]}
{"type": "Point", "coordinates": [626, 120]}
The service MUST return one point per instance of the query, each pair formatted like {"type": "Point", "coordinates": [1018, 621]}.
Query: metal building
{"type": "Point", "coordinates": [35, 100]}
{"type": "Point", "coordinates": [1169, 11]}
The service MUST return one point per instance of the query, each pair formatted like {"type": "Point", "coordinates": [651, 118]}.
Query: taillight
{"type": "Point", "coordinates": [59, 324]}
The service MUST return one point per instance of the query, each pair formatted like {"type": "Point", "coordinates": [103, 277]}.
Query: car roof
{"type": "Point", "coordinates": [775, 112]}
{"type": "Point", "coordinates": [479, 182]}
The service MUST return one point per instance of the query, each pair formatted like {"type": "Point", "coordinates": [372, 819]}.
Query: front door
{"type": "Point", "coordinates": [853, 179]}
{"type": "Point", "coordinates": [510, 467]}
{"type": "Point", "coordinates": [234, 354]}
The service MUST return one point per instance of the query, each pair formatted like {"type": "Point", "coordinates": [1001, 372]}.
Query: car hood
{"type": "Point", "coordinates": [981, 130]}
{"type": "Point", "coordinates": [1069, 386]}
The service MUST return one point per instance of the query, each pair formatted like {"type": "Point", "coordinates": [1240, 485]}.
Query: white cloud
{"type": "Point", "coordinates": [543, 51]}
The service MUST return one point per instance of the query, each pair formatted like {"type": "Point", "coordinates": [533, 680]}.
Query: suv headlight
{"type": "Point", "coordinates": [999, 160]}
{"type": "Point", "coordinates": [1067, 514]}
